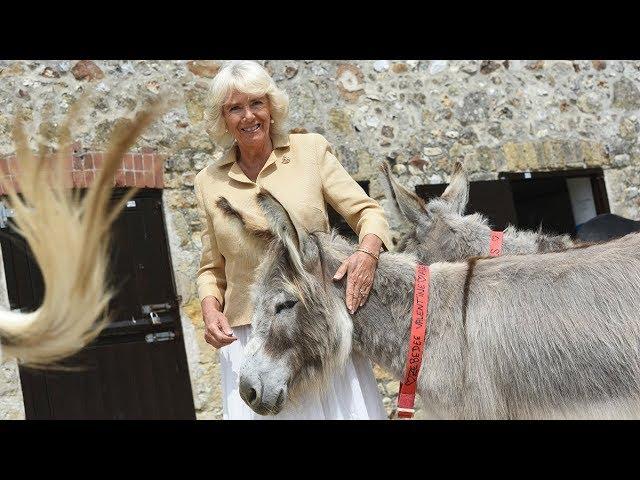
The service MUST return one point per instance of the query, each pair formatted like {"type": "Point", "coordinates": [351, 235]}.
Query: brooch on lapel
{"type": "Point", "coordinates": [285, 159]}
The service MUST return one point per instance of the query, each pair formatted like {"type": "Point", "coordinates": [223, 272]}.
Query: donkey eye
{"type": "Point", "coordinates": [284, 305]}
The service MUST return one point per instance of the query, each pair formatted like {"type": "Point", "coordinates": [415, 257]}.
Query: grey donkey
{"type": "Point", "coordinates": [553, 335]}
{"type": "Point", "coordinates": [441, 232]}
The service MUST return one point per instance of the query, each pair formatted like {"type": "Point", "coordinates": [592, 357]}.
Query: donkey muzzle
{"type": "Point", "coordinates": [263, 401]}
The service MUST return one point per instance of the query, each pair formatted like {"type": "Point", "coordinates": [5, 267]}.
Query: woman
{"type": "Point", "coordinates": [247, 112]}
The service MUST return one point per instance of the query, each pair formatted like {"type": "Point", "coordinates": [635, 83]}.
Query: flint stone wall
{"type": "Point", "coordinates": [420, 116]}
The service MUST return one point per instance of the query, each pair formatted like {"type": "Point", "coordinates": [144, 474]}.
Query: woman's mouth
{"type": "Point", "coordinates": [251, 129]}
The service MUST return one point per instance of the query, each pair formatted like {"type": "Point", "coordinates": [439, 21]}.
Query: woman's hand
{"type": "Point", "coordinates": [360, 268]}
{"type": "Point", "coordinates": [217, 331]}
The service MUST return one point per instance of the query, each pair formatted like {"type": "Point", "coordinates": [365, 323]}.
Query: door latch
{"type": "Point", "coordinates": [156, 307]}
{"type": "Point", "coordinates": [159, 337]}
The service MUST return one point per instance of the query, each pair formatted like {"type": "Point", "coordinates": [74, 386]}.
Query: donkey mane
{"type": "Point", "coordinates": [223, 204]}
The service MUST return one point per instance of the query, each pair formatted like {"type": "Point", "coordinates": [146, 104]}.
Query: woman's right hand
{"type": "Point", "coordinates": [217, 332]}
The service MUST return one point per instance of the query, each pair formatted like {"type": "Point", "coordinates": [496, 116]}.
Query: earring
{"type": "Point", "coordinates": [272, 121]}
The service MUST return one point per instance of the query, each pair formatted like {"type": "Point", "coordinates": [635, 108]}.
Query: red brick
{"type": "Point", "coordinates": [138, 179]}
{"type": "Point", "coordinates": [158, 170]}
{"type": "Point", "coordinates": [149, 150]}
{"type": "Point", "coordinates": [149, 181]}
{"type": "Point", "coordinates": [78, 164]}
{"type": "Point", "coordinates": [137, 162]}
{"type": "Point", "coordinates": [88, 161]}
{"type": "Point", "coordinates": [89, 176]}
{"type": "Point", "coordinates": [148, 162]}
{"type": "Point", "coordinates": [98, 159]}
{"type": "Point", "coordinates": [131, 179]}
{"type": "Point", "coordinates": [120, 179]}
{"type": "Point", "coordinates": [128, 161]}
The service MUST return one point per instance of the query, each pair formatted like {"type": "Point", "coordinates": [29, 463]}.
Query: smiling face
{"type": "Point", "coordinates": [248, 118]}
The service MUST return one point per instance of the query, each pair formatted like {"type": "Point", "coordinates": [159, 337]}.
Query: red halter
{"type": "Point", "coordinates": [407, 394]}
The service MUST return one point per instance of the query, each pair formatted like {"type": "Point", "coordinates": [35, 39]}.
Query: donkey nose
{"type": "Point", "coordinates": [251, 395]}
{"type": "Point", "coordinates": [249, 390]}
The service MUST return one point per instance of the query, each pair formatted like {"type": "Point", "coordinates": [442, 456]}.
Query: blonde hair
{"type": "Point", "coordinates": [247, 77]}
{"type": "Point", "coordinates": [69, 238]}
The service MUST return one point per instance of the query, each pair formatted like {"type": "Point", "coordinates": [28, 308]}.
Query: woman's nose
{"type": "Point", "coordinates": [248, 114]}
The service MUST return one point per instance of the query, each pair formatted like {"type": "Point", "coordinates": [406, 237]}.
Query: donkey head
{"type": "Point", "coordinates": [439, 230]}
{"type": "Point", "coordinates": [300, 330]}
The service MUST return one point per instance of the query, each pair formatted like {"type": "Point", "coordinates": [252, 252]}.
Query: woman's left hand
{"type": "Point", "coordinates": [360, 268]}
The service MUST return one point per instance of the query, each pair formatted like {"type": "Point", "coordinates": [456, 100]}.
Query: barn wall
{"type": "Point", "coordinates": [419, 116]}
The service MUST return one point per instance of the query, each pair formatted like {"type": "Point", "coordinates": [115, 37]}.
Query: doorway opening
{"type": "Point", "coordinates": [557, 202]}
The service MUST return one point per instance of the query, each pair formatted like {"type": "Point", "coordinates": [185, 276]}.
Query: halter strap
{"type": "Point", "coordinates": [407, 394]}
{"type": "Point", "coordinates": [495, 244]}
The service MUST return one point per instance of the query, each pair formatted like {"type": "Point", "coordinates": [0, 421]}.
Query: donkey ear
{"type": "Point", "coordinates": [457, 193]}
{"type": "Point", "coordinates": [402, 200]}
{"type": "Point", "coordinates": [282, 227]}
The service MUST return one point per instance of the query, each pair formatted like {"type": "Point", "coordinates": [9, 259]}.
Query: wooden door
{"type": "Point", "coordinates": [137, 368]}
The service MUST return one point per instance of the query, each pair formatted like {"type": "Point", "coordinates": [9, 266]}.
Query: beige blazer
{"type": "Point", "coordinates": [303, 174]}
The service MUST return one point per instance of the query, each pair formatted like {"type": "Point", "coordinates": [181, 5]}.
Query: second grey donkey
{"type": "Point", "coordinates": [441, 232]}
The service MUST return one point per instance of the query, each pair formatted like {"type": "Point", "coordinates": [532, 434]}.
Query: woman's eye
{"type": "Point", "coordinates": [285, 305]}
{"type": "Point", "coordinates": [257, 103]}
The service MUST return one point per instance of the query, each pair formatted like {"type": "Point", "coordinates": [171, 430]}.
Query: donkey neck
{"type": "Point", "coordinates": [519, 242]}
{"type": "Point", "coordinates": [381, 326]}
{"type": "Point", "coordinates": [473, 239]}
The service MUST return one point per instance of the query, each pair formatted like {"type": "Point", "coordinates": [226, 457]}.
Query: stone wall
{"type": "Point", "coordinates": [420, 116]}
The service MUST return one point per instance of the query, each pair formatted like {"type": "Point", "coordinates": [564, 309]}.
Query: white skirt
{"type": "Point", "coordinates": [351, 395]}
